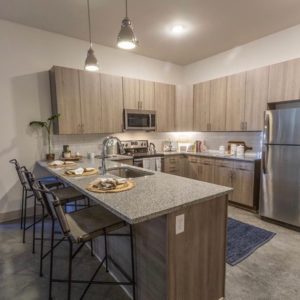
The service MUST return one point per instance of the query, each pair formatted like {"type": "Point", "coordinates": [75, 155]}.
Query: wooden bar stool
{"type": "Point", "coordinates": [80, 227]}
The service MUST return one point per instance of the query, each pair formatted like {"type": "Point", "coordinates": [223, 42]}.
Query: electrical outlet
{"type": "Point", "coordinates": [179, 224]}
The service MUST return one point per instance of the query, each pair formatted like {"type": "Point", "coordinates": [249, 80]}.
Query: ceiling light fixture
{"type": "Point", "coordinates": [91, 63]}
{"type": "Point", "coordinates": [177, 29]}
{"type": "Point", "coordinates": [126, 38]}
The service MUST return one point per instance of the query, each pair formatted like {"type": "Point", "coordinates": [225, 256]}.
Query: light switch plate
{"type": "Point", "coordinates": [179, 224]}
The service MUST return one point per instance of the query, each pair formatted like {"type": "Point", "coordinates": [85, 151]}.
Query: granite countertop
{"type": "Point", "coordinates": [247, 157]}
{"type": "Point", "coordinates": [154, 195]}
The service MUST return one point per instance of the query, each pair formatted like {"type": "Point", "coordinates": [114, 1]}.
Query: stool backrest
{"type": "Point", "coordinates": [19, 172]}
{"type": "Point", "coordinates": [53, 206]}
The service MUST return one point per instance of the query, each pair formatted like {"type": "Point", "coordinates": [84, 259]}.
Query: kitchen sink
{"type": "Point", "coordinates": [126, 172]}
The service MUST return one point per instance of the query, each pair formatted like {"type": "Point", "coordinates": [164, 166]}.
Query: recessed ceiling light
{"type": "Point", "coordinates": [177, 29]}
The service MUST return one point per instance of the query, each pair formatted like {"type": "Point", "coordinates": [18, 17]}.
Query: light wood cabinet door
{"type": "Point", "coordinates": [206, 170]}
{"type": "Point", "coordinates": [284, 81]}
{"type": "Point", "coordinates": [223, 176]}
{"type": "Point", "coordinates": [217, 114]}
{"type": "Point", "coordinates": [165, 106]}
{"type": "Point", "coordinates": [243, 186]}
{"type": "Point", "coordinates": [201, 106]}
{"type": "Point", "coordinates": [90, 102]}
{"type": "Point", "coordinates": [147, 100]}
{"type": "Point", "coordinates": [131, 93]}
{"type": "Point", "coordinates": [66, 100]}
{"type": "Point", "coordinates": [192, 167]}
{"type": "Point", "coordinates": [257, 82]}
{"type": "Point", "coordinates": [184, 108]}
{"type": "Point", "coordinates": [235, 102]}
{"type": "Point", "coordinates": [111, 103]}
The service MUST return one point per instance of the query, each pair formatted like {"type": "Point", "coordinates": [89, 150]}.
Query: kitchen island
{"type": "Point", "coordinates": [180, 233]}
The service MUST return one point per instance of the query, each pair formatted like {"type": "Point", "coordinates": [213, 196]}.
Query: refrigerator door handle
{"type": "Point", "coordinates": [267, 128]}
{"type": "Point", "coordinates": [265, 159]}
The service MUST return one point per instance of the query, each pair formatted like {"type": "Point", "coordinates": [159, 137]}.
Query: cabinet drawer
{"type": "Point", "coordinates": [248, 166]}
{"type": "Point", "coordinates": [224, 163]}
{"type": "Point", "coordinates": [193, 159]}
{"type": "Point", "coordinates": [206, 161]}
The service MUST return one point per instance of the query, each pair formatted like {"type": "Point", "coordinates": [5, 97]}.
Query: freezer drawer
{"type": "Point", "coordinates": [280, 194]}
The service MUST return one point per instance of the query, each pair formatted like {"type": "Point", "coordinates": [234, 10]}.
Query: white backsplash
{"type": "Point", "coordinates": [93, 142]}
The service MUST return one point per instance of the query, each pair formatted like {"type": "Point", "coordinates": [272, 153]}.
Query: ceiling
{"type": "Point", "coordinates": [212, 26]}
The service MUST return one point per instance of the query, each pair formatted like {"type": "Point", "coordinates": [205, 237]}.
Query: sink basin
{"type": "Point", "coordinates": [125, 172]}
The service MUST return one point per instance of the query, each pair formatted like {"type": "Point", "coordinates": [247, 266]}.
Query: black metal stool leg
{"type": "Point", "coordinates": [105, 245]}
{"type": "Point", "coordinates": [51, 261]}
{"type": "Point", "coordinates": [33, 229]}
{"type": "Point", "coordinates": [92, 248]}
{"type": "Point", "coordinates": [22, 207]}
{"type": "Point", "coordinates": [70, 269]}
{"type": "Point", "coordinates": [132, 263]}
{"type": "Point", "coordinates": [42, 241]}
{"type": "Point", "coordinates": [25, 212]}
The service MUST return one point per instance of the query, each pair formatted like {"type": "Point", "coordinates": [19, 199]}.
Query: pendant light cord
{"type": "Point", "coordinates": [126, 8]}
{"type": "Point", "coordinates": [89, 17]}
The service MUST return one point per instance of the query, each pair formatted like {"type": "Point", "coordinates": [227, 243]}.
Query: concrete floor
{"type": "Point", "coordinates": [271, 273]}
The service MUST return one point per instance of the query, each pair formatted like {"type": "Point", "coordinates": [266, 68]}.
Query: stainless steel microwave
{"type": "Point", "coordinates": [139, 119]}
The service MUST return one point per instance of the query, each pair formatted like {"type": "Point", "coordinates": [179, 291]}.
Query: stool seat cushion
{"type": "Point", "coordinates": [89, 223]}
{"type": "Point", "coordinates": [67, 194]}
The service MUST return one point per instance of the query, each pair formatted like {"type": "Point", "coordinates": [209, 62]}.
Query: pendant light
{"type": "Point", "coordinates": [126, 38]}
{"type": "Point", "coordinates": [91, 63]}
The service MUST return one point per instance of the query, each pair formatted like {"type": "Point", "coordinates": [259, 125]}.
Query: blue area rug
{"type": "Point", "coordinates": [243, 239]}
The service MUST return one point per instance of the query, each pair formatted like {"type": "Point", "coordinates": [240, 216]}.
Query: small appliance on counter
{"type": "Point", "coordinates": [142, 157]}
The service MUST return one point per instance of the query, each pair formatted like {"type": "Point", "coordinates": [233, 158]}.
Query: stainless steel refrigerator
{"type": "Point", "coordinates": [280, 194]}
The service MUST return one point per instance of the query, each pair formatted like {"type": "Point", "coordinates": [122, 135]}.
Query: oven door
{"type": "Point", "coordinates": [138, 120]}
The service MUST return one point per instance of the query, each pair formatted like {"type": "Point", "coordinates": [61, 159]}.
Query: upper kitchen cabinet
{"type": "Point", "coordinates": [201, 106]}
{"type": "Point", "coordinates": [131, 93]}
{"type": "Point", "coordinates": [138, 94]}
{"type": "Point", "coordinates": [90, 102]}
{"type": "Point", "coordinates": [165, 106]}
{"type": "Point", "coordinates": [257, 82]}
{"type": "Point", "coordinates": [235, 102]}
{"type": "Point", "coordinates": [147, 99]}
{"type": "Point", "coordinates": [65, 94]}
{"type": "Point", "coordinates": [184, 108]}
{"type": "Point", "coordinates": [218, 91]}
{"type": "Point", "coordinates": [284, 81]}
{"type": "Point", "coordinates": [111, 103]}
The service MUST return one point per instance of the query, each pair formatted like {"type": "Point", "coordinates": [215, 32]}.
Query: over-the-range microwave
{"type": "Point", "coordinates": [139, 119]}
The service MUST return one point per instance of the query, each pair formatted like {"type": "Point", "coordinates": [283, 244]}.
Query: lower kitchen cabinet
{"type": "Point", "coordinates": [243, 177]}
{"type": "Point", "coordinates": [223, 174]}
{"type": "Point", "coordinates": [206, 169]}
{"type": "Point", "coordinates": [175, 165]}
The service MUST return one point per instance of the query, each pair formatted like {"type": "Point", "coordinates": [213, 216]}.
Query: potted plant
{"type": "Point", "coordinates": [48, 126]}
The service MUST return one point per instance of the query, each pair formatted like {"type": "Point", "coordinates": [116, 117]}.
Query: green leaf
{"type": "Point", "coordinates": [37, 123]}
{"type": "Point", "coordinates": [53, 117]}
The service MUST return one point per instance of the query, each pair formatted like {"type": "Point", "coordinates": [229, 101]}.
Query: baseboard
{"type": "Point", "coordinates": [16, 214]}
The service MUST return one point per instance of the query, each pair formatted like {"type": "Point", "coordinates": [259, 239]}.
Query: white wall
{"type": "Point", "coordinates": [26, 56]}
{"type": "Point", "coordinates": [278, 47]}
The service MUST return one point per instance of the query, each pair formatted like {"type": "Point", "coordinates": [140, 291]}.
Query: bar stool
{"type": "Point", "coordinates": [80, 227]}
{"type": "Point", "coordinates": [49, 181]}
{"type": "Point", "coordinates": [66, 194]}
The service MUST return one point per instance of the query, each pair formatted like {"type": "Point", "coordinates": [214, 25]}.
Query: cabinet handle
{"type": "Point", "coordinates": [245, 126]}
{"type": "Point", "coordinates": [242, 126]}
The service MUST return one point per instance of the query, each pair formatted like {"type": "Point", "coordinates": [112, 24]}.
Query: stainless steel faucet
{"type": "Point", "coordinates": [104, 151]}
